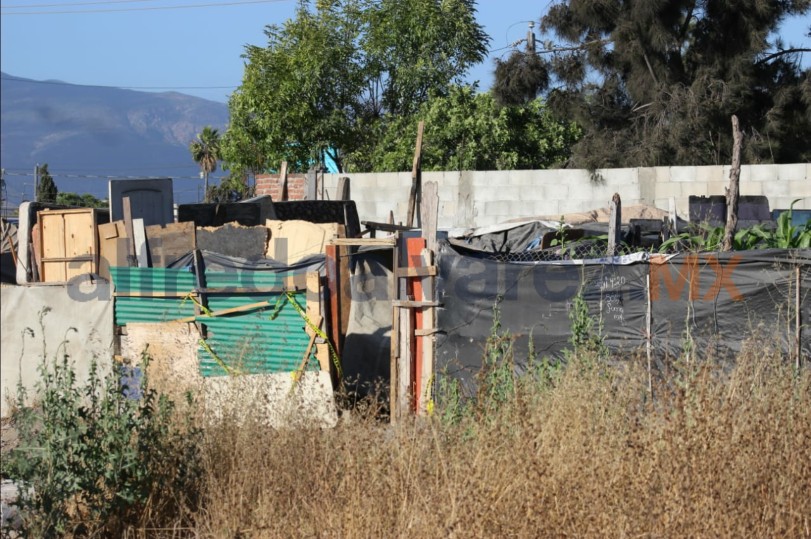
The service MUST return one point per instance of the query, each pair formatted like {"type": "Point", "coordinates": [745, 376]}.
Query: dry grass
{"type": "Point", "coordinates": [718, 454]}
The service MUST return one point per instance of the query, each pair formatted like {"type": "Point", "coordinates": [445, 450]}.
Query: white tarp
{"type": "Point", "coordinates": [77, 319]}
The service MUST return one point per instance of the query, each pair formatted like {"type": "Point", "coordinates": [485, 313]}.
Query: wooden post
{"type": "Point", "coordinates": [649, 332]}
{"type": "Point", "coordinates": [200, 284]}
{"type": "Point", "coordinates": [132, 259]}
{"type": "Point", "coordinates": [343, 189]}
{"type": "Point", "coordinates": [395, 333]}
{"type": "Point", "coordinates": [283, 179]}
{"type": "Point", "coordinates": [797, 323]}
{"type": "Point", "coordinates": [614, 224]}
{"type": "Point", "coordinates": [416, 175]}
{"type": "Point", "coordinates": [429, 213]}
{"type": "Point", "coordinates": [139, 243]}
{"type": "Point", "coordinates": [734, 186]}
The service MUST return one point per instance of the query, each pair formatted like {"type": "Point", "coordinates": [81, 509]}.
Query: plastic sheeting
{"type": "Point", "coordinates": [714, 300]}
{"type": "Point", "coordinates": [367, 348]}
{"type": "Point", "coordinates": [77, 319]}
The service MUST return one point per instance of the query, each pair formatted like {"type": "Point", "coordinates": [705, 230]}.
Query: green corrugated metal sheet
{"type": "Point", "coordinates": [151, 309]}
{"type": "Point", "coordinates": [252, 342]}
{"type": "Point", "coordinates": [249, 342]}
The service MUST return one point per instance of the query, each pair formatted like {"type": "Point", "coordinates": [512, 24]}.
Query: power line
{"type": "Point", "coordinates": [29, 6]}
{"type": "Point", "coordinates": [60, 83]}
{"type": "Point", "coordinates": [155, 8]}
{"type": "Point", "coordinates": [106, 177]}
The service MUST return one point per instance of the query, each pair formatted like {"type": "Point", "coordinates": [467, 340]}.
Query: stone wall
{"type": "Point", "coordinates": [483, 198]}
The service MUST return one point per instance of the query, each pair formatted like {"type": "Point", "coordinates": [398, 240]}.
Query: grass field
{"type": "Point", "coordinates": [586, 451]}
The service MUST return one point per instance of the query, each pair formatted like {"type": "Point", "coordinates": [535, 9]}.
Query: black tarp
{"type": "Point", "coordinates": [714, 301]}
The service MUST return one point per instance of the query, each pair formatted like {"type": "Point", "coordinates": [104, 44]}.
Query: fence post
{"type": "Point", "coordinates": [614, 224]}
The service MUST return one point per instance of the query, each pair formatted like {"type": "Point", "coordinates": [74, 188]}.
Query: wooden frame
{"type": "Point", "coordinates": [67, 243]}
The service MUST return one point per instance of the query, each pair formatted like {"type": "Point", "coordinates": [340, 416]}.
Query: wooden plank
{"type": "Point", "coordinates": [80, 233]}
{"type": "Point", "coordinates": [405, 375]}
{"type": "Point", "coordinates": [416, 175]}
{"type": "Point", "coordinates": [614, 224]}
{"type": "Point", "coordinates": [385, 227]}
{"type": "Point", "coordinates": [200, 284]}
{"type": "Point", "coordinates": [363, 242]}
{"type": "Point", "coordinates": [424, 271]}
{"type": "Point", "coordinates": [155, 294]}
{"type": "Point", "coordinates": [52, 235]}
{"type": "Point", "coordinates": [394, 294]}
{"type": "Point", "coordinates": [139, 241]}
{"type": "Point", "coordinates": [427, 331]}
{"type": "Point", "coordinates": [283, 179]}
{"type": "Point", "coordinates": [132, 260]}
{"type": "Point", "coordinates": [429, 214]}
{"type": "Point", "coordinates": [232, 310]}
{"type": "Point", "coordinates": [334, 288]}
{"type": "Point", "coordinates": [413, 304]}
{"type": "Point", "coordinates": [414, 248]}
{"type": "Point", "coordinates": [167, 243]}
{"type": "Point", "coordinates": [303, 365]}
{"type": "Point", "coordinates": [343, 189]}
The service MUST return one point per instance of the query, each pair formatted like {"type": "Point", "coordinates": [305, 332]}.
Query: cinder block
{"type": "Point", "coordinates": [499, 207]}
{"type": "Point", "coordinates": [693, 188]}
{"type": "Point", "coordinates": [746, 172]}
{"type": "Point", "coordinates": [792, 172]}
{"type": "Point", "coordinates": [682, 174]}
{"type": "Point", "coordinates": [711, 173]}
{"type": "Point", "coordinates": [784, 203]}
{"type": "Point", "coordinates": [764, 173]}
{"type": "Point", "coordinates": [662, 174]}
{"type": "Point", "coordinates": [775, 188]}
{"type": "Point", "coordinates": [665, 190]}
{"type": "Point", "coordinates": [717, 188]}
{"type": "Point", "coordinates": [799, 188]}
{"type": "Point", "coordinates": [546, 208]}
{"type": "Point", "coordinates": [623, 178]}
{"type": "Point", "coordinates": [752, 188]}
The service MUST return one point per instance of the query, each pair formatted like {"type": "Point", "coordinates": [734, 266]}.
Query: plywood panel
{"type": "Point", "coordinates": [80, 234]}
{"type": "Point", "coordinates": [52, 235]}
{"type": "Point", "coordinates": [53, 271]}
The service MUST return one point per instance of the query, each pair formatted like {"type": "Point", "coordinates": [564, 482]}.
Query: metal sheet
{"type": "Point", "coordinates": [151, 280]}
{"type": "Point", "coordinates": [253, 342]}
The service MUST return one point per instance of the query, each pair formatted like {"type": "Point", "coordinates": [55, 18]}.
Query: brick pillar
{"type": "Point", "coordinates": [271, 184]}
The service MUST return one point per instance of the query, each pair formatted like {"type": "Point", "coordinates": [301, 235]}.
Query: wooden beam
{"type": "Point", "coordinates": [414, 304]}
{"type": "Point", "coordinates": [154, 294]}
{"type": "Point", "coordinates": [429, 214]}
{"type": "Point", "coordinates": [283, 179]}
{"type": "Point", "coordinates": [139, 243]}
{"type": "Point", "coordinates": [232, 310]}
{"type": "Point", "coordinates": [416, 175]}
{"type": "Point", "coordinates": [385, 227]}
{"type": "Point", "coordinates": [334, 290]}
{"type": "Point", "coordinates": [614, 224]}
{"type": "Point", "coordinates": [424, 271]}
{"type": "Point", "coordinates": [363, 242]}
{"type": "Point", "coordinates": [132, 259]}
{"type": "Point", "coordinates": [426, 332]}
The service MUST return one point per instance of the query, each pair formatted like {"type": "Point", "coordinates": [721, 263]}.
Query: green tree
{"type": "Point", "coordinates": [84, 200]}
{"type": "Point", "coordinates": [46, 188]}
{"type": "Point", "coordinates": [655, 83]}
{"type": "Point", "coordinates": [467, 130]}
{"type": "Point", "coordinates": [329, 78]}
{"type": "Point", "coordinates": [206, 152]}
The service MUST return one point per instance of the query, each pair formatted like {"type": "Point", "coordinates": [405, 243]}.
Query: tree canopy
{"type": "Point", "coordinates": [655, 83]}
{"type": "Point", "coordinates": [46, 188]}
{"type": "Point", "coordinates": [84, 200]}
{"type": "Point", "coordinates": [467, 130]}
{"type": "Point", "coordinates": [330, 75]}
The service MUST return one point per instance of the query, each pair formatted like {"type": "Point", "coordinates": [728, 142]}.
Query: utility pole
{"type": "Point", "coordinates": [36, 183]}
{"type": "Point", "coordinates": [531, 37]}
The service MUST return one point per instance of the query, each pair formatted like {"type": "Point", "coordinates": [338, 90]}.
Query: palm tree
{"type": "Point", "coordinates": [205, 151]}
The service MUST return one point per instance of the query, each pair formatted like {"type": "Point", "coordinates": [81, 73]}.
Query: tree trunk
{"type": "Point", "coordinates": [734, 186]}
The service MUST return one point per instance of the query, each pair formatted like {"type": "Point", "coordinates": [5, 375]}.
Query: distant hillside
{"type": "Point", "coordinates": [87, 130]}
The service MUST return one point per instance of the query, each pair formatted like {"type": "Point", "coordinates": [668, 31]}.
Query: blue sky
{"type": "Point", "coordinates": [196, 49]}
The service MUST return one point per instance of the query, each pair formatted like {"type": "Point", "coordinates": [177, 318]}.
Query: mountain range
{"type": "Point", "coordinates": [87, 134]}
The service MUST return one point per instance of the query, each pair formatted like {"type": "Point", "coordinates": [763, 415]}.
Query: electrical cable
{"type": "Point", "coordinates": [154, 8]}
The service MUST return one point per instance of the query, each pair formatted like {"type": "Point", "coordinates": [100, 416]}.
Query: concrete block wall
{"type": "Point", "coordinates": [481, 198]}
{"type": "Point", "coordinates": [270, 184]}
